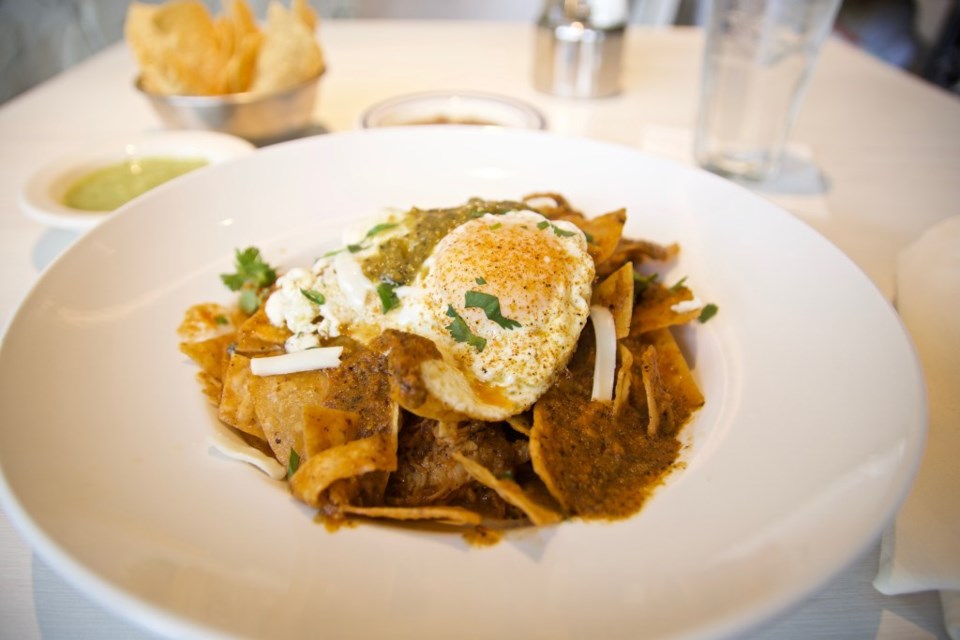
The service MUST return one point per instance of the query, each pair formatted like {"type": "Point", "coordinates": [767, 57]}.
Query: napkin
{"type": "Point", "coordinates": [921, 551]}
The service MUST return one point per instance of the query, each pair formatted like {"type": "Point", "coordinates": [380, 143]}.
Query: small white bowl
{"type": "Point", "coordinates": [41, 199]}
{"type": "Point", "coordinates": [453, 107]}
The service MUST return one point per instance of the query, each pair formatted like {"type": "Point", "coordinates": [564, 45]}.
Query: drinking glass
{"type": "Point", "coordinates": [758, 59]}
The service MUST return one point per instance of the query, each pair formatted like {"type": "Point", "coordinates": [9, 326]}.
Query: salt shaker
{"type": "Point", "coordinates": [578, 47]}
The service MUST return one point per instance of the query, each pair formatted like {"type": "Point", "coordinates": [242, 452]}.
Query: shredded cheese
{"type": "Point", "coordinates": [686, 305]}
{"type": "Point", "coordinates": [605, 363]}
{"type": "Point", "coordinates": [232, 447]}
{"type": "Point", "coordinates": [307, 360]}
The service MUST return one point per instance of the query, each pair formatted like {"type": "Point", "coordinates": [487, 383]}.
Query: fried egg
{"type": "Point", "coordinates": [503, 296]}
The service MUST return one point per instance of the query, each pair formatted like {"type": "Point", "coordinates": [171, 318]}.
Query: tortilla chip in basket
{"type": "Point", "coordinates": [289, 53]}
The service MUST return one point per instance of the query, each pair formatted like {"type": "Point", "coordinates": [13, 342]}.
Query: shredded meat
{"type": "Point", "coordinates": [426, 472]}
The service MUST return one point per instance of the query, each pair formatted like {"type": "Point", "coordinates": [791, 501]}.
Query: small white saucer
{"type": "Point", "coordinates": [453, 107]}
{"type": "Point", "coordinates": [41, 199]}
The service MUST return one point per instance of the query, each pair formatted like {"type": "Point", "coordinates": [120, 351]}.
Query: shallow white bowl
{"type": "Point", "coordinates": [810, 436]}
{"type": "Point", "coordinates": [42, 196]}
{"type": "Point", "coordinates": [454, 107]}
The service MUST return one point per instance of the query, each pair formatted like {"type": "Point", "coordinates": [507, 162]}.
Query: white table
{"type": "Point", "coordinates": [888, 145]}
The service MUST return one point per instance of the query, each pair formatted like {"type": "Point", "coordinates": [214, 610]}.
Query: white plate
{"type": "Point", "coordinates": [42, 196]}
{"type": "Point", "coordinates": [811, 433]}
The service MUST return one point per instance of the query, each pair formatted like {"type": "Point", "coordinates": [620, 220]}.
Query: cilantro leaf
{"type": "Point", "coordinates": [377, 228]}
{"type": "Point", "coordinates": [589, 237]}
{"type": "Point", "coordinates": [388, 295]}
{"type": "Point", "coordinates": [252, 278]}
{"type": "Point", "coordinates": [679, 284]}
{"type": "Point", "coordinates": [562, 232]}
{"type": "Point", "coordinates": [461, 332]}
{"type": "Point", "coordinates": [491, 307]}
{"type": "Point", "coordinates": [708, 312]}
{"type": "Point", "coordinates": [293, 463]}
{"type": "Point", "coordinates": [251, 269]}
{"type": "Point", "coordinates": [480, 280]}
{"type": "Point", "coordinates": [543, 225]}
{"type": "Point", "coordinates": [313, 296]}
{"type": "Point", "coordinates": [354, 248]}
{"type": "Point", "coordinates": [640, 283]}
{"type": "Point", "coordinates": [221, 320]}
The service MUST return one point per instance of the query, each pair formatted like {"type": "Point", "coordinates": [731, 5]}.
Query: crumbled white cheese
{"type": "Point", "coordinates": [687, 305]}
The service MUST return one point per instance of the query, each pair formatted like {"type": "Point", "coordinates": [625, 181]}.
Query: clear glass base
{"type": "Point", "coordinates": [752, 167]}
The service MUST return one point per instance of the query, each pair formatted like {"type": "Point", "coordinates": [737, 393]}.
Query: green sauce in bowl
{"type": "Point", "coordinates": [109, 187]}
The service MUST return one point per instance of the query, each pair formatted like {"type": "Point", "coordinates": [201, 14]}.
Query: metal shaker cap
{"type": "Point", "coordinates": [579, 44]}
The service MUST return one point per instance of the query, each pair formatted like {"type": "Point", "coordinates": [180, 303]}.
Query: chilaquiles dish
{"type": "Point", "coordinates": [490, 365]}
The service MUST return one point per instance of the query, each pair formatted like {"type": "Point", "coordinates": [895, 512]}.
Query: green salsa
{"type": "Point", "coordinates": [107, 188]}
{"type": "Point", "coordinates": [399, 258]}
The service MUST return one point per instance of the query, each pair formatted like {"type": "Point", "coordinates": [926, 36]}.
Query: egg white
{"type": "Point", "coordinates": [539, 271]}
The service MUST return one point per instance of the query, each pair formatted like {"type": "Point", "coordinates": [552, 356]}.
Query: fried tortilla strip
{"type": "Point", "coordinates": [557, 207]}
{"type": "Point", "coordinates": [360, 386]}
{"type": "Point", "coordinates": [672, 386]}
{"type": "Point", "coordinates": [520, 424]}
{"type": "Point", "coordinates": [212, 387]}
{"type": "Point", "coordinates": [638, 252]}
{"type": "Point", "coordinates": [654, 309]}
{"type": "Point", "coordinates": [603, 234]}
{"type": "Point", "coordinates": [654, 390]}
{"type": "Point", "coordinates": [211, 355]}
{"type": "Point", "coordinates": [616, 294]}
{"type": "Point", "coordinates": [510, 491]}
{"type": "Point", "coordinates": [374, 453]}
{"type": "Point", "coordinates": [325, 428]}
{"type": "Point", "coordinates": [237, 405]}
{"type": "Point", "coordinates": [597, 464]}
{"type": "Point", "coordinates": [428, 474]}
{"type": "Point", "coordinates": [447, 515]}
{"type": "Point", "coordinates": [406, 355]}
{"type": "Point", "coordinates": [207, 321]}
{"type": "Point", "coordinates": [279, 402]}
{"type": "Point", "coordinates": [257, 337]}
{"type": "Point", "coordinates": [624, 379]}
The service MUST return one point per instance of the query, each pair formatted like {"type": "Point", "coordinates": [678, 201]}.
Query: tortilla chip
{"type": "Point", "coordinates": [177, 47]}
{"type": "Point", "coordinates": [211, 387]}
{"type": "Point", "coordinates": [206, 321]}
{"type": "Point", "coordinates": [638, 252]}
{"type": "Point", "coordinates": [654, 308]}
{"type": "Point", "coordinates": [446, 515]}
{"type": "Point", "coordinates": [374, 453]}
{"type": "Point", "coordinates": [624, 379]}
{"type": "Point", "coordinates": [616, 294]}
{"type": "Point", "coordinates": [289, 54]}
{"type": "Point", "coordinates": [325, 428]}
{"type": "Point", "coordinates": [520, 424]}
{"type": "Point", "coordinates": [539, 514]}
{"type": "Point", "coordinates": [406, 355]}
{"type": "Point", "coordinates": [211, 355]}
{"type": "Point", "coordinates": [595, 463]}
{"type": "Point", "coordinates": [671, 384]}
{"type": "Point", "coordinates": [237, 405]}
{"type": "Point", "coordinates": [553, 206]}
{"type": "Point", "coordinates": [257, 336]}
{"type": "Point", "coordinates": [279, 402]}
{"type": "Point", "coordinates": [603, 234]}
